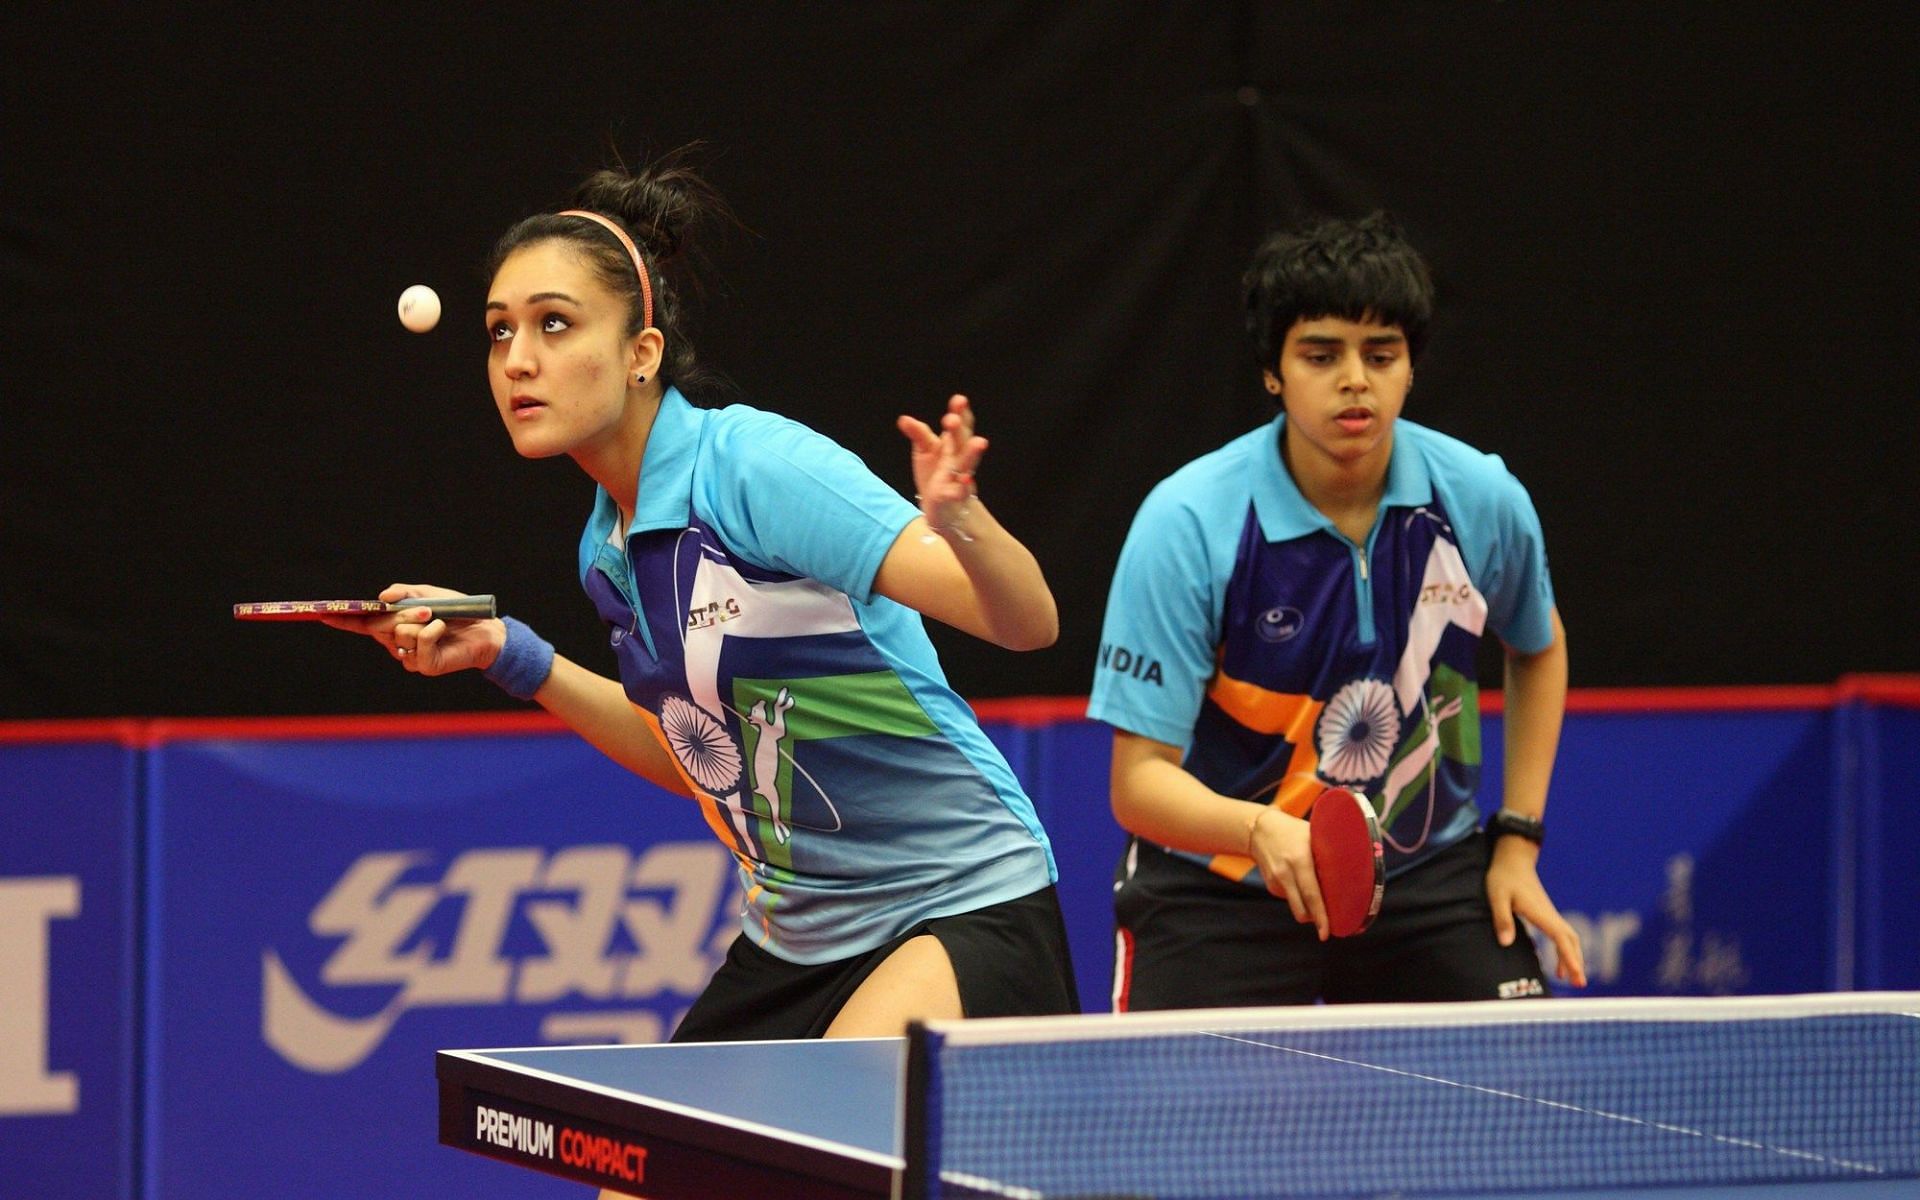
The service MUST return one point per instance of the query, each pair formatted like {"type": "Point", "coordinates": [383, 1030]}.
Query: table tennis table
{"type": "Point", "coordinates": [836, 1120]}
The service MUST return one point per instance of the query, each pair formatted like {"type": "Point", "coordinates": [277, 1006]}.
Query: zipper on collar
{"type": "Point", "coordinates": [615, 563]}
{"type": "Point", "coordinates": [1363, 587]}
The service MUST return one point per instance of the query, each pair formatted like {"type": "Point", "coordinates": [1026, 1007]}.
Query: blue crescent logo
{"type": "Point", "coordinates": [1279, 624]}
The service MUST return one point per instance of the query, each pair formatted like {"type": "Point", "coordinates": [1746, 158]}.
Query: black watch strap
{"type": "Point", "coordinates": [1507, 822]}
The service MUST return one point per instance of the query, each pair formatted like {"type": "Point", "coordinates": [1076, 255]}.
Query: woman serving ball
{"type": "Point", "coordinates": [763, 595]}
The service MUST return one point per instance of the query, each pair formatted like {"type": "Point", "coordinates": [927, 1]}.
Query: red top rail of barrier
{"type": "Point", "coordinates": [1898, 691]}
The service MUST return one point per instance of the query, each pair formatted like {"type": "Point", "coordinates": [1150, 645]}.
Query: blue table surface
{"type": "Point", "coordinates": [848, 1093]}
{"type": "Point", "coordinates": [842, 1091]}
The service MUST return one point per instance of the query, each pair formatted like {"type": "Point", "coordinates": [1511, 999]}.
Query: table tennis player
{"type": "Point", "coordinates": [1301, 609]}
{"type": "Point", "coordinates": [762, 592]}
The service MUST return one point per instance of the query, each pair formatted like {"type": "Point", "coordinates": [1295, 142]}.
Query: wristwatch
{"type": "Point", "coordinates": [1506, 821]}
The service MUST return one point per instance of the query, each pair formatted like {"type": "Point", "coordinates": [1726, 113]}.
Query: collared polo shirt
{"type": "Point", "coordinates": [809, 715]}
{"type": "Point", "coordinates": [1244, 628]}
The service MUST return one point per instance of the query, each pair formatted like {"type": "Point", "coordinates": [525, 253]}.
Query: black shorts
{"type": "Point", "coordinates": [1010, 960]}
{"type": "Point", "coordinates": [1189, 938]}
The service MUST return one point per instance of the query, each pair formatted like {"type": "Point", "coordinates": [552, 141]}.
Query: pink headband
{"type": "Point", "coordinates": [639, 268]}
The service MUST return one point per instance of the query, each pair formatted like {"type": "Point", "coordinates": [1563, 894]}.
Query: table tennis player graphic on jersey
{"type": "Point", "coordinates": [1391, 730]}
{"type": "Point", "coordinates": [787, 719]}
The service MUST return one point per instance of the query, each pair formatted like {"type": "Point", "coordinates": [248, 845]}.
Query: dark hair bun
{"type": "Point", "coordinates": [661, 205]}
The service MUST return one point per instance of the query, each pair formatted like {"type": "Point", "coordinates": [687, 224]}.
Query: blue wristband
{"type": "Point", "coordinates": [524, 662]}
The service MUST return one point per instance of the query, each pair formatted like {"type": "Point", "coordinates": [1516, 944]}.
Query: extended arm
{"type": "Point", "coordinates": [1536, 697]}
{"type": "Point", "coordinates": [591, 705]}
{"type": "Point", "coordinates": [597, 708]}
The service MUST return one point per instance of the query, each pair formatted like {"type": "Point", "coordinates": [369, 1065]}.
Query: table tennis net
{"type": "Point", "coordinates": [1418, 1099]}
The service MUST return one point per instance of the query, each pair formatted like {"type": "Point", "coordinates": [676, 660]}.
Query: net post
{"type": "Point", "coordinates": [920, 1117]}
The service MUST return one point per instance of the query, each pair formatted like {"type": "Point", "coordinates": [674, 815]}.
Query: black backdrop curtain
{"type": "Point", "coordinates": [1675, 250]}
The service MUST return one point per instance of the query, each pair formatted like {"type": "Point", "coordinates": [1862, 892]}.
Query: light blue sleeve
{"type": "Point", "coordinates": [1163, 621]}
{"type": "Point", "coordinates": [797, 502]}
{"type": "Point", "coordinates": [1506, 554]}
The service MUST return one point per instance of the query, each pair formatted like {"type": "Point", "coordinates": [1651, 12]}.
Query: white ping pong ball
{"type": "Point", "coordinates": [419, 308]}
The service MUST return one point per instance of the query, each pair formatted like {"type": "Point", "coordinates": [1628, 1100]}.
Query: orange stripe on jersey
{"type": "Point", "coordinates": [1262, 711]}
{"type": "Point", "coordinates": [1294, 796]}
{"type": "Point", "coordinates": [1290, 716]}
{"type": "Point", "coordinates": [709, 807]}
{"type": "Point", "coordinates": [1298, 791]}
{"type": "Point", "coordinates": [753, 906]}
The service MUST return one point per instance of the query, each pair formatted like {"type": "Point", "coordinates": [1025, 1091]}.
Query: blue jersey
{"type": "Point", "coordinates": [1244, 628]}
{"type": "Point", "coordinates": [810, 717]}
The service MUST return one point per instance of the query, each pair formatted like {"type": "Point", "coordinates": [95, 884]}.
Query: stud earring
{"type": "Point", "coordinates": [639, 378]}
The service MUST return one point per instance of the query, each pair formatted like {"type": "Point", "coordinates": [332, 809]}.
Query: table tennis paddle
{"type": "Point", "coordinates": [1348, 860]}
{"type": "Point", "coordinates": [453, 608]}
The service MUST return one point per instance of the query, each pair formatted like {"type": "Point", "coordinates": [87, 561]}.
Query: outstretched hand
{"type": "Point", "coordinates": [423, 643]}
{"type": "Point", "coordinates": [944, 464]}
{"type": "Point", "coordinates": [1515, 891]}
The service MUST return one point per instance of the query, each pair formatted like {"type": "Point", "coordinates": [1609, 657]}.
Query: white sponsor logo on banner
{"type": "Point", "coordinates": [1695, 960]}
{"type": "Point", "coordinates": [1603, 940]}
{"type": "Point", "coordinates": [579, 900]}
{"type": "Point", "coordinates": [28, 906]}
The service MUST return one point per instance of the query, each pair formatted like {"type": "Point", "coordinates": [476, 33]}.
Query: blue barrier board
{"type": "Point", "coordinates": [1692, 850]}
{"type": "Point", "coordinates": [327, 914]}
{"type": "Point", "coordinates": [229, 955]}
{"type": "Point", "coordinates": [1889, 849]}
{"type": "Point", "coordinates": [67, 989]}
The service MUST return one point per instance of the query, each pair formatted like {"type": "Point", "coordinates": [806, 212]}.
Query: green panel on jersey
{"type": "Point", "coordinates": [827, 706]}
{"type": "Point", "coordinates": [1459, 736]}
{"type": "Point", "coordinates": [830, 706]}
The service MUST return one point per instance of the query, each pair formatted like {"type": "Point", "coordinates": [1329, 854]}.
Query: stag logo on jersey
{"type": "Point", "coordinates": [1279, 623]}
{"type": "Point", "coordinates": [612, 934]}
{"type": "Point", "coordinates": [1447, 593]}
{"type": "Point", "coordinates": [714, 612]}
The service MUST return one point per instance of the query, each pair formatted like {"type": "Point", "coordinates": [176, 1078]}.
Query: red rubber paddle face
{"type": "Point", "coordinates": [1348, 860]}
